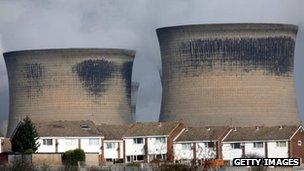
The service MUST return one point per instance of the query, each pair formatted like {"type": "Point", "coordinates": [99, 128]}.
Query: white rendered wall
{"type": "Point", "coordinates": [277, 152]}
{"type": "Point", "coordinates": [112, 153]}
{"type": "Point", "coordinates": [203, 152]}
{"type": "Point", "coordinates": [46, 148]}
{"type": "Point", "coordinates": [1, 140]}
{"type": "Point", "coordinates": [180, 153]}
{"type": "Point", "coordinates": [87, 148]}
{"type": "Point", "coordinates": [121, 150]}
{"type": "Point", "coordinates": [63, 144]}
{"type": "Point", "coordinates": [250, 150]}
{"type": "Point", "coordinates": [157, 147]}
{"type": "Point", "coordinates": [229, 153]}
{"type": "Point", "coordinates": [134, 149]}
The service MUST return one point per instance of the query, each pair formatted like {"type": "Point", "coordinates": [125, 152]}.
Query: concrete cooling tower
{"type": "Point", "coordinates": [228, 74]}
{"type": "Point", "coordinates": [70, 84]}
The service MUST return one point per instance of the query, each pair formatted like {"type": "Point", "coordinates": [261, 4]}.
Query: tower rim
{"type": "Point", "coordinates": [233, 26]}
{"type": "Point", "coordinates": [127, 52]}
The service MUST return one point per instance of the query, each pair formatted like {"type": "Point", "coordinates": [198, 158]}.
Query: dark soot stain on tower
{"type": "Point", "coordinates": [70, 84]}
{"type": "Point", "coordinates": [94, 73]}
{"type": "Point", "coordinates": [229, 74]}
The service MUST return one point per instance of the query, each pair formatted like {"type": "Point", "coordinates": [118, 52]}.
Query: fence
{"type": "Point", "coordinates": [92, 159]}
{"type": "Point", "coordinates": [52, 162]}
{"type": "Point", "coordinates": [46, 159]}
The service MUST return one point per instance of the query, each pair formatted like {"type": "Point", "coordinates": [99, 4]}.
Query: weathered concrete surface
{"type": "Point", "coordinates": [228, 74]}
{"type": "Point", "coordinates": [70, 84]}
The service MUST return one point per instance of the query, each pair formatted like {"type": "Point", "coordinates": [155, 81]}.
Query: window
{"type": "Point", "coordinates": [158, 156]}
{"type": "Point", "coordinates": [93, 141]}
{"type": "Point", "coordinates": [138, 141]}
{"type": "Point", "coordinates": [47, 142]}
{"type": "Point", "coordinates": [281, 143]}
{"type": "Point", "coordinates": [210, 144]}
{"type": "Point", "coordinates": [139, 158]}
{"type": "Point", "coordinates": [110, 145]}
{"type": "Point", "coordinates": [258, 145]}
{"type": "Point", "coordinates": [160, 139]}
{"type": "Point", "coordinates": [128, 158]}
{"type": "Point", "coordinates": [299, 143]}
{"type": "Point", "coordinates": [235, 145]}
{"type": "Point", "coordinates": [186, 146]}
{"type": "Point", "coordinates": [85, 126]}
{"type": "Point", "coordinates": [109, 160]}
{"type": "Point", "coordinates": [70, 142]}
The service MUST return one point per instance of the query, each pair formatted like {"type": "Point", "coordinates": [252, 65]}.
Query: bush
{"type": "Point", "coordinates": [251, 156]}
{"type": "Point", "coordinates": [20, 164]}
{"type": "Point", "coordinates": [78, 155]}
{"type": "Point", "coordinates": [133, 164]}
{"type": "Point", "coordinates": [255, 168]}
{"type": "Point", "coordinates": [174, 167]}
{"type": "Point", "coordinates": [72, 157]}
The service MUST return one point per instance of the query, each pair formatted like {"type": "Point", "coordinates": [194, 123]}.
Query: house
{"type": "Point", "coordinates": [145, 142]}
{"type": "Point", "coordinates": [1, 142]}
{"type": "Point", "coordinates": [112, 147]}
{"type": "Point", "coordinates": [6, 145]}
{"type": "Point", "coordinates": [260, 141]}
{"type": "Point", "coordinates": [61, 136]}
{"type": "Point", "coordinates": [196, 143]}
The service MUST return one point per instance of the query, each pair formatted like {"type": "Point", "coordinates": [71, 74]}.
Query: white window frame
{"type": "Point", "coordinates": [94, 142]}
{"type": "Point", "coordinates": [233, 145]}
{"type": "Point", "coordinates": [160, 139]}
{"type": "Point", "coordinates": [281, 144]}
{"type": "Point", "coordinates": [207, 144]}
{"type": "Point", "coordinates": [186, 146]}
{"type": "Point", "coordinates": [138, 140]}
{"type": "Point", "coordinates": [299, 143]}
{"type": "Point", "coordinates": [46, 142]}
{"type": "Point", "coordinates": [70, 142]}
{"type": "Point", "coordinates": [110, 145]}
{"type": "Point", "coordinates": [85, 126]}
{"type": "Point", "coordinates": [258, 145]}
{"type": "Point", "coordinates": [135, 158]}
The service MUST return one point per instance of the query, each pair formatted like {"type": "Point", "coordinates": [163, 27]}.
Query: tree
{"type": "Point", "coordinates": [25, 137]}
{"type": "Point", "coordinates": [72, 157]}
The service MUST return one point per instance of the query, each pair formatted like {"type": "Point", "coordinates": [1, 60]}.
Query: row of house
{"type": "Point", "coordinates": [169, 141]}
{"type": "Point", "coordinates": [229, 143]}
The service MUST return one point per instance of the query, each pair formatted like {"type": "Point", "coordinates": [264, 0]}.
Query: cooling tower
{"type": "Point", "coordinates": [228, 74]}
{"type": "Point", "coordinates": [70, 84]}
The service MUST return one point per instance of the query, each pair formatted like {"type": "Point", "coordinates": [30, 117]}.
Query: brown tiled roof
{"type": "Point", "coordinates": [261, 133]}
{"type": "Point", "coordinates": [211, 133]}
{"type": "Point", "coordinates": [150, 129]}
{"type": "Point", "coordinates": [112, 132]}
{"type": "Point", "coordinates": [66, 129]}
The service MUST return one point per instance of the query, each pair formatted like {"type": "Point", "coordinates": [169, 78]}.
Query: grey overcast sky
{"type": "Point", "coordinates": [33, 24]}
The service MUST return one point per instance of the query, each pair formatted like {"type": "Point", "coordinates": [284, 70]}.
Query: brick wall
{"type": "Point", "coordinates": [172, 135]}
{"type": "Point", "coordinates": [296, 150]}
